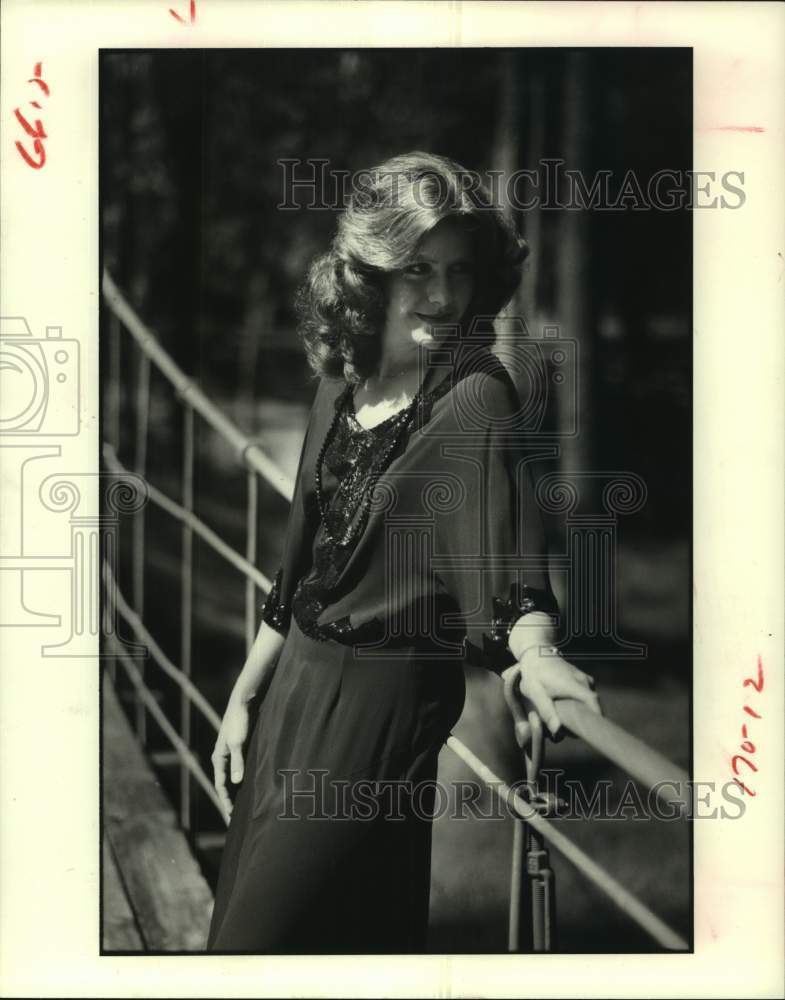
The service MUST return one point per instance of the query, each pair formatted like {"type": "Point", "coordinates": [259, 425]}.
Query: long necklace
{"type": "Point", "coordinates": [359, 523]}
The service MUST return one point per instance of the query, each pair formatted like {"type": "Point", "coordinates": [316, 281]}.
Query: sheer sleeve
{"type": "Point", "coordinates": [489, 547]}
{"type": "Point", "coordinates": [300, 530]}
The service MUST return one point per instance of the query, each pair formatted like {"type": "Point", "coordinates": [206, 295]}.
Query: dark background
{"type": "Point", "coordinates": [190, 231]}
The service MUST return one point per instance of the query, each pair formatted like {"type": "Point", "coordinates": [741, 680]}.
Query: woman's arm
{"type": "Point", "coordinates": [261, 661]}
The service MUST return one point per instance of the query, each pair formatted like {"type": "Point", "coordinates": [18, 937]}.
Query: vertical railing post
{"type": "Point", "coordinates": [252, 508]}
{"type": "Point", "coordinates": [114, 404]}
{"type": "Point", "coordinates": [114, 400]}
{"type": "Point", "coordinates": [140, 467]}
{"type": "Point", "coordinates": [186, 608]}
{"type": "Point", "coordinates": [518, 887]}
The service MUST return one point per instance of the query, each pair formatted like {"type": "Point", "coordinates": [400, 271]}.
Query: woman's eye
{"type": "Point", "coordinates": [416, 270]}
{"type": "Point", "coordinates": [464, 267]}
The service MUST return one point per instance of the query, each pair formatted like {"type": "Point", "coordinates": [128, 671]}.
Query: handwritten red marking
{"type": "Point", "coordinates": [192, 14]}
{"type": "Point", "coordinates": [735, 128]}
{"type": "Point", "coordinates": [744, 760]}
{"type": "Point", "coordinates": [759, 685]}
{"type": "Point", "coordinates": [41, 84]}
{"type": "Point", "coordinates": [36, 130]}
{"type": "Point", "coordinates": [38, 146]}
{"type": "Point", "coordinates": [747, 746]}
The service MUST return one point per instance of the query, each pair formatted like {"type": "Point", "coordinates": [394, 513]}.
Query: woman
{"type": "Point", "coordinates": [413, 543]}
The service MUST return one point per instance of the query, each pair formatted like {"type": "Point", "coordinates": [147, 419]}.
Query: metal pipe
{"type": "Point", "coordinates": [252, 514]}
{"type": "Point", "coordinates": [629, 753]}
{"type": "Point", "coordinates": [186, 609]}
{"type": "Point", "coordinates": [247, 451]}
{"type": "Point", "coordinates": [517, 887]}
{"type": "Point", "coordinates": [199, 527]}
{"type": "Point", "coordinates": [140, 467]}
{"type": "Point", "coordinates": [596, 874]}
{"type": "Point", "coordinates": [163, 661]}
{"type": "Point", "coordinates": [185, 753]}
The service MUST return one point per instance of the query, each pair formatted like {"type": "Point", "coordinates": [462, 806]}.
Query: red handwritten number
{"type": "Point", "coordinates": [38, 146]}
{"type": "Point", "coordinates": [192, 14]}
{"type": "Point", "coordinates": [744, 760]}
{"type": "Point", "coordinates": [759, 685]}
{"type": "Point", "coordinates": [747, 746]}
{"type": "Point", "coordinates": [35, 130]}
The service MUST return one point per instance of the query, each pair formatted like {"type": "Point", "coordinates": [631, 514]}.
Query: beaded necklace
{"type": "Point", "coordinates": [403, 419]}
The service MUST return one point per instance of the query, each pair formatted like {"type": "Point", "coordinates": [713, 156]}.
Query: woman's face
{"type": "Point", "coordinates": [435, 287]}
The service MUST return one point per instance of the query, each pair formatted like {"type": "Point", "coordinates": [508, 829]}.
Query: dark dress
{"type": "Point", "coordinates": [328, 849]}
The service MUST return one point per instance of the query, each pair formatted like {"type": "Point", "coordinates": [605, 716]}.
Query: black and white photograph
{"type": "Point", "coordinates": [392, 512]}
{"type": "Point", "coordinates": [400, 341]}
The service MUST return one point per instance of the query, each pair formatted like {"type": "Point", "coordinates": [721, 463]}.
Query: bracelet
{"type": "Point", "coordinates": [550, 650]}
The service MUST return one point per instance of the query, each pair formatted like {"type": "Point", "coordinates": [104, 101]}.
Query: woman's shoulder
{"type": "Point", "coordinates": [478, 389]}
{"type": "Point", "coordinates": [326, 396]}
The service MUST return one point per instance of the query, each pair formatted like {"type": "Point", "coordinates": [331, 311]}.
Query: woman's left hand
{"type": "Point", "coordinates": [541, 678]}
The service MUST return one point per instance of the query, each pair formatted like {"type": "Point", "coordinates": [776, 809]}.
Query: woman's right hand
{"type": "Point", "coordinates": [229, 745]}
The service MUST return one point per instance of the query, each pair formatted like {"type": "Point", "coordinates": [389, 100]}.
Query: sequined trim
{"type": "Point", "coordinates": [521, 600]}
{"type": "Point", "coordinates": [356, 456]}
{"type": "Point", "coordinates": [274, 612]}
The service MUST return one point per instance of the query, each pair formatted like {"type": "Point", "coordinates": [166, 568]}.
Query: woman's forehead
{"type": "Point", "coordinates": [448, 238]}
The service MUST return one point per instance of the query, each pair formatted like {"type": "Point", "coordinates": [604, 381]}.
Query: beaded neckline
{"type": "Point", "coordinates": [351, 412]}
{"type": "Point", "coordinates": [403, 419]}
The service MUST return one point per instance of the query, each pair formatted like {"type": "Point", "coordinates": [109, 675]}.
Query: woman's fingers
{"type": "Point", "coordinates": [543, 703]}
{"type": "Point", "coordinates": [586, 679]}
{"type": "Point", "coordinates": [523, 733]}
{"type": "Point", "coordinates": [220, 753]}
{"type": "Point", "coordinates": [237, 766]}
{"type": "Point", "coordinates": [571, 687]}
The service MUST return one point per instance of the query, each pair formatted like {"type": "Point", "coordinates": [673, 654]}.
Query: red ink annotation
{"type": "Point", "coordinates": [747, 747]}
{"type": "Point", "coordinates": [191, 19]}
{"type": "Point", "coordinates": [35, 129]}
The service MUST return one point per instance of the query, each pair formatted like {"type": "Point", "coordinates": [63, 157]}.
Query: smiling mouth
{"type": "Point", "coordinates": [432, 319]}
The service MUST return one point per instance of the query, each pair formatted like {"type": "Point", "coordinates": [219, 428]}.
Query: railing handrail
{"type": "Point", "coordinates": [247, 450]}
{"type": "Point", "coordinates": [629, 753]}
{"type": "Point", "coordinates": [594, 872]}
{"type": "Point", "coordinates": [205, 532]}
{"type": "Point", "coordinates": [181, 748]}
{"type": "Point", "coordinates": [180, 678]}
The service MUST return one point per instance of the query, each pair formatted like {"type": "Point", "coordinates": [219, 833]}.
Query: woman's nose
{"type": "Point", "coordinates": [440, 293]}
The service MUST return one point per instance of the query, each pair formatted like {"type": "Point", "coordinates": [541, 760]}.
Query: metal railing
{"type": "Point", "coordinates": [630, 754]}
